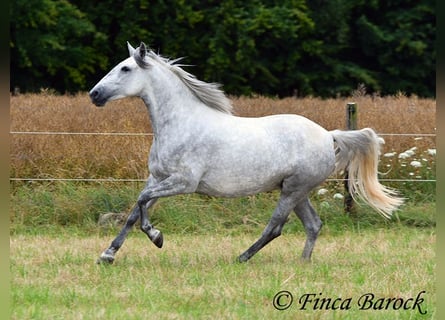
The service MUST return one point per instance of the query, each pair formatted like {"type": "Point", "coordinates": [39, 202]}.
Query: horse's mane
{"type": "Point", "coordinates": [209, 93]}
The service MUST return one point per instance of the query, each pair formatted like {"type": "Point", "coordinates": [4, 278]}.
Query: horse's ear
{"type": "Point", "coordinates": [142, 50]}
{"type": "Point", "coordinates": [140, 55]}
{"type": "Point", "coordinates": [130, 49]}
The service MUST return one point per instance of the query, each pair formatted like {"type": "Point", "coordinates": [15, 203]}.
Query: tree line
{"type": "Point", "coordinates": [322, 48]}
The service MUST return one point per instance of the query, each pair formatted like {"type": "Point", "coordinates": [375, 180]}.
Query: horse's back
{"type": "Point", "coordinates": [312, 146]}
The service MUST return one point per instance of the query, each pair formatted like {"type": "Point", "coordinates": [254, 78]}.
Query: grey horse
{"type": "Point", "coordinates": [199, 146]}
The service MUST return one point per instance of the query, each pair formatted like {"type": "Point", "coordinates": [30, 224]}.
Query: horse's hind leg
{"type": "Point", "coordinates": [312, 225]}
{"type": "Point", "coordinates": [108, 255]}
{"type": "Point", "coordinates": [274, 227]}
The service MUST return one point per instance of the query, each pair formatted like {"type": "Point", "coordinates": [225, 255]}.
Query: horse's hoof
{"type": "Point", "coordinates": [105, 258]}
{"type": "Point", "coordinates": [156, 237]}
{"type": "Point", "coordinates": [242, 258]}
{"type": "Point", "coordinates": [305, 260]}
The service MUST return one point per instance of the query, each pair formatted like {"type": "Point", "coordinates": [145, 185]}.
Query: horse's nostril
{"type": "Point", "coordinates": [96, 96]}
{"type": "Point", "coordinates": [94, 93]}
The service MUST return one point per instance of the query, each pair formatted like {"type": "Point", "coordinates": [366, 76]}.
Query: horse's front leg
{"type": "Point", "coordinates": [138, 212]}
{"type": "Point", "coordinates": [173, 185]}
{"type": "Point", "coordinates": [108, 255]}
{"type": "Point", "coordinates": [153, 234]}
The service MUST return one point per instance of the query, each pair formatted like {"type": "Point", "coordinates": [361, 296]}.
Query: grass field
{"type": "Point", "coordinates": [55, 238]}
{"type": "Point", "coordinates": [196, 277]}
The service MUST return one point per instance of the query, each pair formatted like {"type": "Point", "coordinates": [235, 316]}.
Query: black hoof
{"type": "Point", "coordinates": [156, 237]}
{"type": "Point", "coordinates": [242, 258]}
{"type": "Point", "coordinates": [105, 258]}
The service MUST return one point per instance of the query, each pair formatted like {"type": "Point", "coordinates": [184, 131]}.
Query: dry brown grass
{"type": "Point", "coordinates": [66, 156]}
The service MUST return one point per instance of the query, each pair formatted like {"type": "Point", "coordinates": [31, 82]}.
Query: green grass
{"type": "Point", "coordinates": [37, 207]}
{"type": "Point", "coordinates": [55, 241]}
{"type": "Point", "coordinates": [196, 277]}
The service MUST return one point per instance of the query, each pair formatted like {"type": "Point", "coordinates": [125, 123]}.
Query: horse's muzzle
{"type": "Point", "coordinates": [97, 97]}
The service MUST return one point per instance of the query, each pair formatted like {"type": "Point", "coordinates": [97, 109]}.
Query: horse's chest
{"type": "Point", "coordinates": [164, 162]}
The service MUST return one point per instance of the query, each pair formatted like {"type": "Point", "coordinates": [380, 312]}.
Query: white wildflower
{"type": "Point", "coordinates": [389, 154]}
{"type": "Point", "coordinates": [432, 152]}
{"type": "Point", "coordinates": [338, 196]}
{"type": "Point", "coordinates": [404, 155]}
{"type": "Point", "coordinates": [410, 152]}
{"type": "Point", "coordinates": [416, 164]}
{"type": "Point", "coordinates": [322, 191]}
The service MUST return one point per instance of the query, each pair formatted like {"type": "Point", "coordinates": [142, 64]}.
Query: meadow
{"type": "Point", "coordinates": [55, 238]}
{"type": "Point", "coordinates": [196, 277]}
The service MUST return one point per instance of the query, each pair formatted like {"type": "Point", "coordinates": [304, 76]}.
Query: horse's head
{"type": "Point", "coordinates": [124, 80]}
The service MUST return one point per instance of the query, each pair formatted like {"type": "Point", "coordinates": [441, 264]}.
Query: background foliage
{"type": "Point", "coordinates": [290, 47]}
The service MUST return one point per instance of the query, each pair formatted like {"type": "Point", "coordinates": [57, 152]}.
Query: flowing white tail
{"type": "Point", "coordinates": [358, 152]}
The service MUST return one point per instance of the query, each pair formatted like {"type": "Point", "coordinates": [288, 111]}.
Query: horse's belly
{"type": "Point", "coordinates": [236, 187]}
{"type": "Point", "coordinates": [241, 181]}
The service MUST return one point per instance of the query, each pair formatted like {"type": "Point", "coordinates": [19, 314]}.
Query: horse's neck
{"type": "Point", "coordinates": [172, 106]}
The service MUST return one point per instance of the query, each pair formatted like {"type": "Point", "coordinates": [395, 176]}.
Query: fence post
{"type": "Point", "coordinates": [351, 124]}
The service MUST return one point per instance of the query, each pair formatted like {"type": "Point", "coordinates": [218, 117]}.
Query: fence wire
{"type": "Point", "coordinates": [151, 134]}
{"type": "Point", "coordinates": [99, 180]}
{"type": "Point", "coordinates": [81, 133]}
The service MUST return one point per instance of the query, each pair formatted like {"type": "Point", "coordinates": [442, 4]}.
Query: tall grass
{"type": "Point", "coordinates": [126, 156]}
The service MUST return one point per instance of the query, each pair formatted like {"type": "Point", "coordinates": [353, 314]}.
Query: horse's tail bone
{"type": "Point", "coordinates": [358, 152]}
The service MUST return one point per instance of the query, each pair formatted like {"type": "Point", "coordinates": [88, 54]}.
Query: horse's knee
{"type": "Point", "coordinates": [276, 231]}
{"type": "Point", "coordinates": [141, 203]}
{"type": "Point", "coordinates": [318, 224]}
{"type": "Point", "coordinates": [313, 228]}
{"type": "Point", "coordinates": [310, 219]}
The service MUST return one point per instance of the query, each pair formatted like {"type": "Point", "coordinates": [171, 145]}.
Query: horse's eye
{"type": "Point", "coordinates": [125, 69]}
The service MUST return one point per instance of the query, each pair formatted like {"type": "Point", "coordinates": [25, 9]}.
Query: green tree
{"type": "Point", "coordinates": [305, 47]}
{"type": "Point", "coordinates": [397, 42]}
{"type": "Point", "coordinates": [52, 45]}
{"type": "Point", "coordinates": [328, 69]}
{"type": "Point", "coordinates": [258, 46]}
{"type": "Point", "coordinates": [386, 45]}
{"type": "Point", "coordinates": [249, 46]}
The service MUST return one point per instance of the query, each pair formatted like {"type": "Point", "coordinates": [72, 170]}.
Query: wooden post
{"type": "Point", "coordinates": [351, 116]}
{"type": "Point", "coordinates": [351, 124]}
